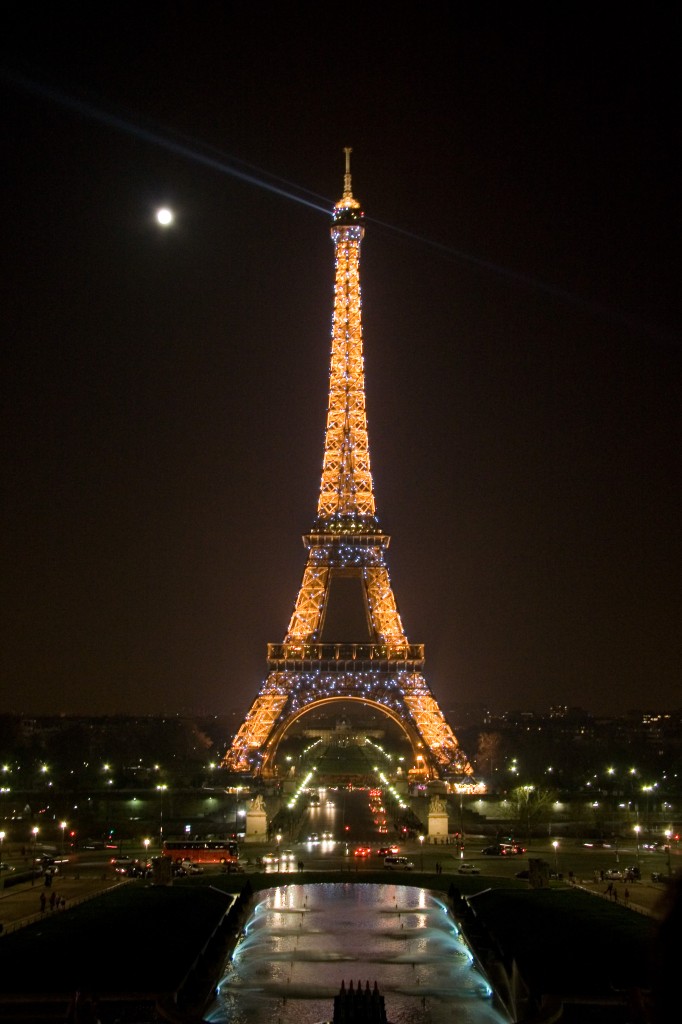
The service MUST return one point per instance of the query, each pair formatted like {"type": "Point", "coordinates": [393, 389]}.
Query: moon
{"type": "Point", "coordinates": [164, 216]}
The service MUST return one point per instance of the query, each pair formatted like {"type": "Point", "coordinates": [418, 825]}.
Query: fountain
{"type": "Point", "coordinates": [302, 941]}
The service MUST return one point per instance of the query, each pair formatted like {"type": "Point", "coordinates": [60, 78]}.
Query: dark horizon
{"type": "Point", "coordinates": [165, 389]}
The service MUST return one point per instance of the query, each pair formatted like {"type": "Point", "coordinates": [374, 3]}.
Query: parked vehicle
{"type": "Point", "coordinates": [468, 869]}
{"type": "Point", "coordinates": [504, 850]}
{"type": "Point", "coordinates": [398, 863]}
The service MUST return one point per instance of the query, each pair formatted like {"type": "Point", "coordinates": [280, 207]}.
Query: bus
{"type": "Point", "coordinates": [202, 851]}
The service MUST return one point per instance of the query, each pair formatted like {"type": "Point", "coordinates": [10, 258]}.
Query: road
{"type": "Point", "coordinates": [356, 819]}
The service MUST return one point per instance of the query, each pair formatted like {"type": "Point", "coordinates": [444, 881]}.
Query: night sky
{"type": "Point", "coordinates": [164, 391]}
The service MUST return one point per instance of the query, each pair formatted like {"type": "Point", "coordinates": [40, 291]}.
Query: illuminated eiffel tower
{"type": "Point", "coordinates": [345, 641]}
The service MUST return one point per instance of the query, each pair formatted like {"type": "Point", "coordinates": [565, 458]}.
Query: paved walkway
{"type": "Point", "coordinates": [645, 897]}
{"type": "Point", "coordinates": [20, 904]}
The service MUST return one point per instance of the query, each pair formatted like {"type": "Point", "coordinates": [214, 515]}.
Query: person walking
{"type": "Point", "coordinates": [626, 896]}
{"type": "Point", "coordinates": [43, 902]}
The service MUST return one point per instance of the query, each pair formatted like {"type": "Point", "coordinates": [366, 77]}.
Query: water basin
{"type": "Point", "coordinates": [301, 942]}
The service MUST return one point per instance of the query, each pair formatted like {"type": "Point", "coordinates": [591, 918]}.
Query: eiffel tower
{"type": "Point", "coordinates": [345, 640]}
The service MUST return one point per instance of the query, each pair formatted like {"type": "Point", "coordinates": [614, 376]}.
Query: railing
{"type": "Point", "coordinates": [345, 652]}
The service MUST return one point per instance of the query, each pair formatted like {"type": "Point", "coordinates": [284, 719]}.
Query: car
{"type": "Point", "coordinates": [6, 867]}
{"type": "Point", "coordinates": [143, 869]}
{"type": "Point", "coordinates": [526, 874]}
{"type": "Point", "coordinates": [287, 855]}
{"type": "Point", "coordinates": [492, 851]}
{"type": "Point", "coordinates": [468, 869]}
{"type": "Point", "coordinates": [270, 858]}
{"type": "Point", "coordinates": [362, 851]}
{"type": "Point", "coordinates": [124, 861]}
{"type": "Point", "coordinates": [613, 874]}
{"type": "Point", "coordinates": [387, 851]}
{"type": "Point", "coordinates": [191, 868]}
{"type": "Point", "coordinates": [314, 837]}
{"type": "Point", "coordinates": [327, 836]}
{"type": "Point", "coordinates": [398, 863]}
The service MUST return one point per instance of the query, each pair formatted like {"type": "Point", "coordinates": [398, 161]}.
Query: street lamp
{"type": "Point", "coordinates": [62, 825]}
{"type": "Point", "coordinates": [555, 844]}
{"type": "Point", "coordinates": [669, 837]}
{"type": "Point", "coordinates": [638, 829]}
{"type": "Point", "coordinates": [145, 843]}
{"type": "Point", "coordinates": [421, 852]}
{"type": "Point", "coordinates": [2, 839]}
{"type": "Point", "coordinates": [34, 830]}
{"type": "Point", "coordinates": [162, 789]}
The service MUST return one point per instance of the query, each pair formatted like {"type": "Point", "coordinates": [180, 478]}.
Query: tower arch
{"type": "Point", "coordinates": [278, 734]}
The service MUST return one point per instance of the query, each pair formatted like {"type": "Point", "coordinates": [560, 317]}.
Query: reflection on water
{"type": "Point", "coordinates": [301, 941]}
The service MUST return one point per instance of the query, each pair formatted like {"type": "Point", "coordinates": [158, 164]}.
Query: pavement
{"type": "Point", "coordinates": [20, 904]}
{"type": "Point", "coordinates": [648, 898]}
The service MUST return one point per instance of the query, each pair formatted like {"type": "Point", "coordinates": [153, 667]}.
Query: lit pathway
{"type": "Point", "coordinates": [20, 904]}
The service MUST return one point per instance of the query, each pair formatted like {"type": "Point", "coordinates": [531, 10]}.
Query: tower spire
{"type": "Point", "coordinates": [346, 498]}
{"type": "Point", "coordinates": [347, 192]}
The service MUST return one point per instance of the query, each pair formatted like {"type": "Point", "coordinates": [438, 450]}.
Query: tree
{"type": "Point", "coordinates": [489, 752]}
{"type": "Point", "coordinates": [531, 806]}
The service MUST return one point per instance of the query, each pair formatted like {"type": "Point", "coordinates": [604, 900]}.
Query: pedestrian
{"type": "Point", "coordinates": [615, 894]}
{"type": "Point", "coordinates": [43, 901]}
{"type": "Point", "coordinates": [53, 899]}
{"type": "Point", "coordinates": [62, 903]}
{"type": "Point", "coordinates": [626, 896]}
{"type": "Point", "coordinates": [609, 890]}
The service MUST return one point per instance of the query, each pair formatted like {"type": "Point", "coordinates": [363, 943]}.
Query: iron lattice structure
{"type": "Point", "coordinates": [345, 638]}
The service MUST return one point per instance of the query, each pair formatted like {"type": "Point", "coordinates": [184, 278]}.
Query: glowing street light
{"type": "Point", "coordinates": [638, 829]}
{"type": "Point", "coordinates": [162, 789]}
{"type": "Point", "coordinates": [35, 831]}
{"type": "Point", "coordinates": [2, 839]}
{"type": "Point", "coordinates": [62, 825]}
{"type": "Point", "coordinates": [421, 852]}
{"type": "Point", "coordinates": [555, 844]}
